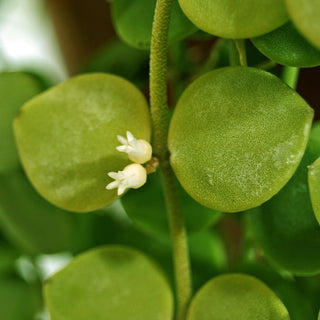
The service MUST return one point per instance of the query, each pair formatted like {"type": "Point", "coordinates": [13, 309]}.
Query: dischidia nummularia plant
{"type": "Point", "coordinates": [240, 143]}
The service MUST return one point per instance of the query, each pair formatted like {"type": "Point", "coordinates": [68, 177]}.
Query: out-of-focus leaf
{"type": "Point", "coordinates": [236, 296]}
{"type": "Point", "coordinates": [109, 283]}
{"type": "Point", "coordinates": [287, 47]}
{"type": "Point", "coordinates": [15, 89]}
{"type": "Point", "coordinates": [133, 22]}
{"type": "Point", "coordinates": [18, 300]}
{"type": "Point", "coordinates": [297, 303]}
{"type": "Point", "coordinates": [285, 227]}
{"type": "Point", "coordinates": [8, 256]}
{"type": "Point", "coordinates": [305, 14]}
{"type": "Point", "coordinates": [120, 59]}
{"type": "Point", "coordinates": [152, 218]}
{"type": "Point", "coordinates": [29, 221]}
{"type": "Point", "coordinates": [314, 187]}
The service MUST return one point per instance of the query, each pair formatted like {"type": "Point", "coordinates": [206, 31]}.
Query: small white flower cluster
{"type": "Point", "coordinates": [134, 175]}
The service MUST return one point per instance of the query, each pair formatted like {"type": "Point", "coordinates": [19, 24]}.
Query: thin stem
{"type": "Point", "coordinates": [233, 54]}
{"type": "Point", "coordinates": [160, 121]}
{"type": "Point", "coordinates": [240, 45]}
{"type": "Point", "coordinates": [266, 65]}
{"type": "Point", "coordinates": [158, 77]}
{"type": "Point", "coordinates": [290, 76]}
{"type": "Point", "coordinates": [182, 269]}
{"type": "Point", "coordinates": [216, 52]}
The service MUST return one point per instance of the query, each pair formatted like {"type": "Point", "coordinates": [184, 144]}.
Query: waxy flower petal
{"type": "Point", "coordinates": [132, 176]}
{"type": "Point", "coordinates": [138, 150]}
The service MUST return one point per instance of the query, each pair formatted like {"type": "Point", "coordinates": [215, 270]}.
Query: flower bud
{"type": "Point", "coordinates": [132, 176]}
{"type": "Point", "coordinates": [139, 151]}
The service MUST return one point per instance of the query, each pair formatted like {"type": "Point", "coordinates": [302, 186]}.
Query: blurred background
{"type": "Point", "coordinates": [60, 38]}
{"type": "Point", "coordinates": [56, 39]}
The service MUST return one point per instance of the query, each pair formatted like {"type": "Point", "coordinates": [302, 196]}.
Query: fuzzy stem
{"type": "Point", "coordinates": [160, 121]}
{"type": "Point", "coordinates": [158, 78]}
{"type": "Point", "coordinates": [179, 242]}
{"type": "Point", "coordinates": [290, 76]}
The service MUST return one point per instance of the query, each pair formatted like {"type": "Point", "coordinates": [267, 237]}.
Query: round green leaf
{"type": "Point", "coordinates": [314, 187]}
{"type": "Point", "coordinates": [235, 19]}
{"type": "Point", "coordinates": [30, 222]}
{"type": "Point", "coordinates": [236, 137]}
{"type": "Point", "coordinates": [18, 300]}
{"type": "Point", "coordinates": [67, 138]}
{"type": "Point", "coordinates": [285, 227]}
{"type": "Point", "coordinates": [305, 14]}
{"type": "Point", "coordinates": [133, 22]}
{"type": "Point", "coordinates": [236, 296]}
{"type": "Point", "coordinates": [296, 301]}
{"type": "Point", "coordinates": [15, 89]}
{"type": "Point", "coordinates": [152, 217]}
{"type": "Point", "coordinates": [111, 282]}
{"type": "Point", "coordinates": [287, 47]}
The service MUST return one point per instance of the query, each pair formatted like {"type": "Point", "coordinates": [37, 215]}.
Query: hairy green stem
{"type": "Point", "coordinates": [160, 121]}
{"type": "Point", "coordinates": [158, 77]}
{"type": "Point", "coordinates": [290, 76]}
{"type": "Point", "coordinates": [179, 242]}
{"type": "Point", "coordinates": [240, 45]}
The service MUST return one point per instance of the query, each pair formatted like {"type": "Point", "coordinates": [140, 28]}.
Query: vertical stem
{"type": "Point", "coordinates": [290, 76]}
{"type": "Point", "coordinates": [160, 121]}
{"type": "Point", "coordinates": [233, 54]}
{"type": "Point", "coordinates": [240, 45]}
{"type": "Point", "coordinates": [179, 242]}
{"type": "Point", "coordinates": [158, 77]}
{"type": "Point", "coordinates": [216, 52]}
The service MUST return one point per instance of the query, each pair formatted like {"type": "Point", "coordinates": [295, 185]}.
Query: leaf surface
{"type": "Point", "coordinates": [237, 136]}
{"type": "Point", "coordinates": [236, 296]}
{"type": "Point", "coordinates": [111, 282]}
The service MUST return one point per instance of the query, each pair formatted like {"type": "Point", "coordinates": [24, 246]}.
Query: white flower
{"type": "Point", "coordinates": [139, 151]}
{"type": "Point", "coordinates": [133, 176]}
